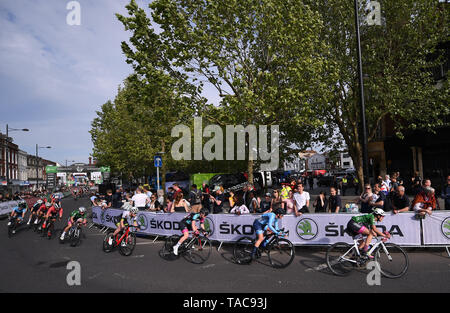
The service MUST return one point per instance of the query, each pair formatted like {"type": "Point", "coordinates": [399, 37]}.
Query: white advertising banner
{"type": "Point", "coordinates": [308, 229]}
{"type": "Point", "coordinates": [7, 207]}
{"type": "Point", "coordinates": [436, 228]}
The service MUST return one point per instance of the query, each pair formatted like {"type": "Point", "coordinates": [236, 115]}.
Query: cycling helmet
{"type": "Point", "coordinates": [56, 206]}
{"type": "Point", "coordinates": [279, 211]}
{"type": "Point", "coordinates": [127, 206]}
{"type": "Point", "coordinates": [40, 201]}
{"type": "Point", "coordinates": [48, 204]}
{"type": "Point", "coordinates": [22, 204]}
{"type": "Point", "coordinates": [134, 210]}
{"type": "Point", "coordinates": [379, 212]}
{"type": "Point", "coordinates": [204, 212]}
{"type": "Point", "coordinates": [82, 209]}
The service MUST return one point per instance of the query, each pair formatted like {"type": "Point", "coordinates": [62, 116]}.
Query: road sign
{"type": "Point", "coordinates": [158, 161]}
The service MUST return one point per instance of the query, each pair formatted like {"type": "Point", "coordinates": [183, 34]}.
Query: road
{"type": "Point", "coordinates": [33, 264]}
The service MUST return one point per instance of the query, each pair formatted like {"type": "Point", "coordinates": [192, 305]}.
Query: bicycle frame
{"type": "Point", "coordinates": [355, 247]}
{"type": "Point", "coordinates": [191, 240]}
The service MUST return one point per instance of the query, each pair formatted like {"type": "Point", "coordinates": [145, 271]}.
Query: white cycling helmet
{"type": "Point", "coordinates": [134, 210]}
{"type": "Point", "coordinates": [40, 201]}
{"type": "Point", "coordinates": [82, 209]}
{"type": "Point", "coordinates": [379, 212]}
{"type": "Point", "coordinates": [127, 206]}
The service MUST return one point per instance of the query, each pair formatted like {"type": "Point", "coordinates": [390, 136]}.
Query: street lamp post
{"type": "Point", "coordinates": [361, 99]}
{"type": "Point", "coordinates": [37, 164]}
{"type": "Point", "coordinates": [7, 150]}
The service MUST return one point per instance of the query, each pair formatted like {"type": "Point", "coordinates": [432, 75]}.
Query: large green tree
{"type": "Point", "coordinates": [264, 58]}
{"type": "Point", "coordinates": [397, 63]}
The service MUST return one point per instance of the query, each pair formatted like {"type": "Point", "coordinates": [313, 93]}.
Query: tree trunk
{"type": "Point", "coordinates": [163, 168]}
{"type": "Point", "coordinates": [250, 171]}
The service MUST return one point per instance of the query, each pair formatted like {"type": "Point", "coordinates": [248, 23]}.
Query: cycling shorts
{"type": "Point", "coordinates": [185, 227]}
{"type": "Point", "coordinates": [259, 228]}
{"type": "Point", "coordinates": [356, 228]}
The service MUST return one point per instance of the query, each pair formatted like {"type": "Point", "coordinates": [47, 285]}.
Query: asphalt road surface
{"type": "Point", "coordinates": [30, 263]}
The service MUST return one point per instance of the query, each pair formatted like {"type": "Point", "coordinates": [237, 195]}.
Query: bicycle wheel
{"type": "Point", "coordinates": [281, 253]}
{"type": "Point", "coordinates": [393, 261]}
{"type": "Point", "coordinates": [199, 250]}
{"type": "Point", "coordinates": [338, 258]}
{"type": "Point", "coordinates": [50, 230]}
{"type": "Point", "coordinates": [166, 251]}
{"type": "Point", "coordinates": [106, 246]}
{"type": "Point", "coordinates": [127, 245]}
{"type": "Point", "coordinates": [242, 251]}
{"type": "Point", "coordinates": [75, 238]}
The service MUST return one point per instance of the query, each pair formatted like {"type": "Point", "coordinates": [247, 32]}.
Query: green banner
{"type": "Point", "coordinates": [51, 169]}
{"type": "Point", "coordinates": [104, 169]}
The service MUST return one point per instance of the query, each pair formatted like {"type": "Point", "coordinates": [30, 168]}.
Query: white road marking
{"type": "Point", "coordinates": [208, 266]}
{"type": "Point", "coordinates": [96, 275]}
{"type": "Point", "coordinates": [138, 256]}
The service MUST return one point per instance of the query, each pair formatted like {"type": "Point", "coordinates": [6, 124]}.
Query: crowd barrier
{"type": "Point", "coordinates": [308, 229]}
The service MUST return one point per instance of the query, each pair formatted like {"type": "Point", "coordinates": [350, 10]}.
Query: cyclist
{"type": "Point", "coordinates": [267, 222]}
{"type": "Point", "coordinates": [76, 216]}
{"type": "Point", "coordinates": [34, 209]}
{"type": "Point", "coordinates": [52, 213]}
{"type": "Point", "coordinates": [18, 212]}
{"type": "Point", "coordinates": [365, 225]}
{"type": "Point", "coordinates": [127, 216]}
{"type": "Point", "coordinates": [42, 211]}
{"type": "Point", "coordinates": [189, 223]}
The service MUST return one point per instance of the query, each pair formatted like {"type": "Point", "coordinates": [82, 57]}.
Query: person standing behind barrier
{"type": "Point", "coordinates": [321, 203]}
{"type": "Point", "coordinates": [195, 198]}
{"type": "Point", "coordinates": [254, 205]}
{"type": "Point", "coordinates": [140, 200]}
{"type": "Point", "coordinates": [445, 194]}
{"type": "Point", "coordinates": [400, 201]}
{"type": "Point", "coordinates": [179, 204]}
{"type": "Point", "coordinates": [289, 203]}
{"type": "Point", "coordinates": [334, 201]}
{"type": "Point", "coordinates": [218, 200]}
{"type": "Point", "coordinates": [301, 201]}
{"type": "Point", "coordinates": [365, 199]}
{"type": "Point", "coordinates": [277, 201]}
{"type": "Point", "coordinates": [239, 207]}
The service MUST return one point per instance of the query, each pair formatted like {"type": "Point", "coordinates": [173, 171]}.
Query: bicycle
{"type": "Point", "coordinates": [49, 229]}
{"type": "Point", "coordinates": [125, 240]}
{"type": "Point", "coordinates": [73, 235]}
{"type": "Point", "coordinates": [196, 249]}
{"type": "Point", "coordinates": [392, 261]}
{"type": "Point", "coordinates": [281, 251]}
{"type": "Point", "coordinates": [13, 223]}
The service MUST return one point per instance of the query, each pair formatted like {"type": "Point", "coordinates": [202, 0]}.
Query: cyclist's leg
{"type": "Point", "coordinates": [185, 230]}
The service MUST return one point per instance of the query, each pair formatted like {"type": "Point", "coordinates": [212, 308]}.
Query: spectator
{"type": "Point", "coordinates": [344, 184]}
{"type": "Point", "coordinates": [400, 202]}
{"type": "Point", "coordinates": [254, 205]}
{"type": "Point", "coordinates": [146, 190]}
{"type": "Point", "coordinates": [434, 202]}
{"type": "Point", "coordinates": [195, 198]}
{"type": "Point", "coordinates": [265, 205]}
{"type": "Point", "coordinates": [154, 205]}
{"type": "Point", "coordinates": [206, 197]}
{"type": "Point", "coordinates": [334, 201]}
{"type": "Point", "coordinates": [239, 207]}
{"type": "Point", "coordinates": [277, 201]}
{"type": "Point", "coordinates": [180, 204]}
{"type": "Point", "coordinates": [285, 191]}
{"type": "Point", "coordinates": [94, 199]}
{"type": "Point", "coordinates": [321, 203]}
{"type": "Point", "coordinates": [170, 194]}
{"type": "Point", "coordinates": [218, 200]}
{"type": "Point", "coordinates": [109, 198]}
{"type": "Point", "coordinates": [232, 199]}
{"type": "Point", "coordinates": [416, 182]}
{"type": "Point", "coordinates": [301, 199]}
{"type": "Point", "coordinates": [117, 199]}
{"type": "Point", "coordinates": [445, 194]}
{"type": "Point", "coordinates": [381, 201]}
{"type": "Point", "coordinates": [289, 203]}
{"type": "Point", "coordinates": [394, 185]}
{"type": "Point", "coordinates": [140, 200]}
{"type": "Point", "coordinates": [168, 208]}
{"type": "Point", "coordinates": [366, 198]}
{"type": "Point", "coordinates": [385, 185]}
{"type": "Point", "coordinates": [422, 203]}
{"type": "Point", "coordinates": [311, 182]}
{"type": "Point", "coordinates": [177, 190]}
{"type": "Point", "coordinates": [160, 195]}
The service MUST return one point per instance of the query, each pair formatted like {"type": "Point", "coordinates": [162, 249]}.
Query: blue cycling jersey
{"type": "Point", "coordinates": [270, 221]}
{"type": "Point", "coordinates": [19, 210]}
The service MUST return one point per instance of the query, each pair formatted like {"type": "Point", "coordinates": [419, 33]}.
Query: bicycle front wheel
{"type": "Point", "coordinates": [242, 251]}
{"type": "Point", "coordinates": [199, 250]}
{"type": "Point", "coordinates": [107, 247]}
{"type": "Point", "coordinates": [127, 245]}
{"type": "Point", "coordinates": [339, 258]}
{"type": "Point", "coordinates": [393, 260]}
{"type": "Point", "coordinates": [281, 253]}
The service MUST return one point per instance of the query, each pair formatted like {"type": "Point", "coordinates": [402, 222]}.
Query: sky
{"type": "Point", "coordinates": [54, 76]}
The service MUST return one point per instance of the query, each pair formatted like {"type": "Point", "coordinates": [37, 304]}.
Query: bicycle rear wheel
{"type": "Point", "coordinates": [127, 245]}
{"type": "Point", "coordinates": [166, 251]}
{"type": "Point", "coordinates": [281, 253]}
{"type": "Point", "coordinates": [106, 246]}
{"type": "Point", "coordinates": [338, 258]}
{"type": "Point", "coordinates": [393, 261]}
{"type": "Point", "coordinates": [243, 249]}
{"type": "Point", "coordinates": [199, 250]}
